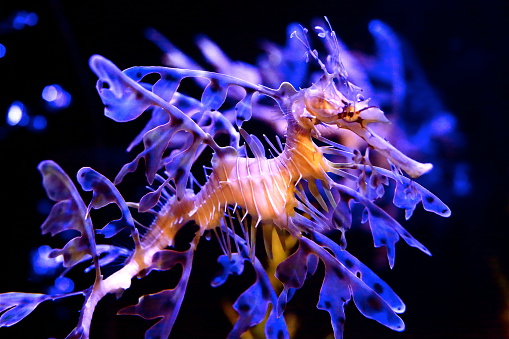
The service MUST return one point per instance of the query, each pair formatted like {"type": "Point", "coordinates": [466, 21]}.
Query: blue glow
{"type": "Point", "coordinates": [62, 285]}
{"type": "Point", "coordinates": [42, 264]}
{"type": "Point", "coordinates": [43, 206]}
{"type": "Point", "coordinates": [39, 123]}
{"type": "Point", "coordinates": [56, 97]}
{"type": "Point", "coordinates": [443, 124]}
{"type": "Point", "coordinates": [17, 115]}
{"type": "Point", "coordinates": [2, 51]}
{"type": "Point", "coordinates": [50, 93]}
{"type": "Point", "coordinates": [462, 185]}
{"type": "Point", "coordinates": [24, 18]}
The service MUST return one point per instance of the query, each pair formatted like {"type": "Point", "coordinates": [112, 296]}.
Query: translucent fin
{"type": "Point", "coordinates": [104, 193]}
{"type": "Point", "coordinates": [386, 231]}
{"type": "Point", "coordinates": [214, 94]}
{"type": "Point", "coordinates": [164, 304]}
{"type": "Point", "coordinates": [235, 265]}
{"type": "Point", "coordinates": [69, 213]}
{"type": "Point", "coordinates": [252, 307]}
{"type": "Point", "coordinates": [408, 194]}
{"type": "Point", "coordinates": [363, 272]}
{"type": "Point", "coordinates": [16, 306]}
{"type": "Point", "coordinates": [340, 283]}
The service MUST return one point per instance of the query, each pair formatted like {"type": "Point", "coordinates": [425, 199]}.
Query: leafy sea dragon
{"type": "Point", "coordinates": [304, 189]}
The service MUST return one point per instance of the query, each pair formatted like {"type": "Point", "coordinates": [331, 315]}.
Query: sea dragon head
{"type": "Point", "coordinates": [330, 106]}
{"type": "Point", "coordinates": [335, 101]}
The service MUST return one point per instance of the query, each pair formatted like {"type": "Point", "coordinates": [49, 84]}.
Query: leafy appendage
{"type": "Point", "coordinates": [292, 272]}
{"type": "Point", "coordinates": [126, 97]}
{"type": "Point", "coordinates": [344, 277]}
{"type": "Point", "coordinates": [357, 268]}
{"type": "Point", "coordinates": [69, 213]}
{"type": "Point", "coordinates": [252, 307]}
{"type": "Point", "coordinates": [253, 303]}
{"type": "Point", "coordinates": [385, 230]}
{"type": "Point", "coordinates": [409, 193]}
{"type": "Point", "coordinates": [235, 265]}
{"type": "Point", "coordinates": [16, 306]}
{"type": "Point", "coordinates": [164, 304]}
{"type": "Point", "coordinates": [104, 193]}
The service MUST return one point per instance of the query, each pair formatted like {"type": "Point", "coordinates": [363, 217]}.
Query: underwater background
{"type": "Point", "coordinates": [49, 109]}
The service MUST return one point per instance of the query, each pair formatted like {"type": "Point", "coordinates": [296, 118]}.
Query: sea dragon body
{"type": "Point", "coordinates": [296, 191]}
{"type": "Point", "coordinates": [263, 188]}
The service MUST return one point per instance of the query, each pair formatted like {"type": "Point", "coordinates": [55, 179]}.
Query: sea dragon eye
{"type": "Point", "coordinates": [323, 104]}
{"type": "Point", "coordinates": [349, 113]}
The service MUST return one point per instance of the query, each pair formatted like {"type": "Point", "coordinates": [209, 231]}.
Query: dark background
{"type": "Point", "coordinates": [460, 292]}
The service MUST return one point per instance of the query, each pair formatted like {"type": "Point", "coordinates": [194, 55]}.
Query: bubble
{"type": "Point", "coordinates": [56, 97]}
{"type": "Point", "coordinates": [17, 115]}
{"type": "Point", "coordinates": [443, 124]}
{"type": "Point", "coordinates": [39, 123]}
{"type": "Point", "coordinates": [42, 264]}
{"type": "Point", "coordinates": [24, 18]}
{"type": "Point", "coordinates": [462, 184]}
{"type": "Point", "coordinates": [64, 284]}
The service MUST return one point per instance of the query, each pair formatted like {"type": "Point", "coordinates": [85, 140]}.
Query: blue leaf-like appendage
{"type": "Point", "coordinates": [120, 94]}
{"type": "Point", "coordinates": [235, 265]}
{"type": "Point", "coordinates": [357, 268]}
{"type": "Point", "coordinates": [126, 98]}
{"type": "Point", "coordinates": [409, 193]}
{"type": "Point", "coordinates": [214, 94]}
{"type": "Point", "coordinates": [252, 304]}
{"type": "Point", "coordinates": [292, 272]}
{"type": "Point", "coordinates": [243, 109]}
{"type": "Point", "coordinates": [69, 213]}
{"type": "Point", "coordinates": [16, 306]}
{"type": "Point", "coordinates": [164, 304]}
{"type": "Point", "coordinates": [252, 307]}
{"type": "Point", "coordinates": [104, 193]}
{"type": "Point", "coordinates": [343, 278]}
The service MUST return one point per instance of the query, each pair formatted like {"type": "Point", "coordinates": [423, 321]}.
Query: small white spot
{"type": "Point", "coordinates": [50, 93]}
{"type": "Point", "coordinates": [16, 115]}
{"type": "Point", "coordinates": [56, 97]}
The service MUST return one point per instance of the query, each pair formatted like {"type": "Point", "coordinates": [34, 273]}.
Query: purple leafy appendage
{"type": "Point", "coordinates": [386, 231]}
{"type": "Point", "coordinates": [69, 213]}
{"type": "Point", "coordinates": [125, 98]}
{"type": "Point", "coordinates": [253, 303]}
{"type": "Point", "coordinates": [164, 304]}
{"type": "Point", "coordinates": [345, 276]}
{"type": "Point", "coordinates": [17, 306]}
{"type": "Point", "coordinates": [104, 193]}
